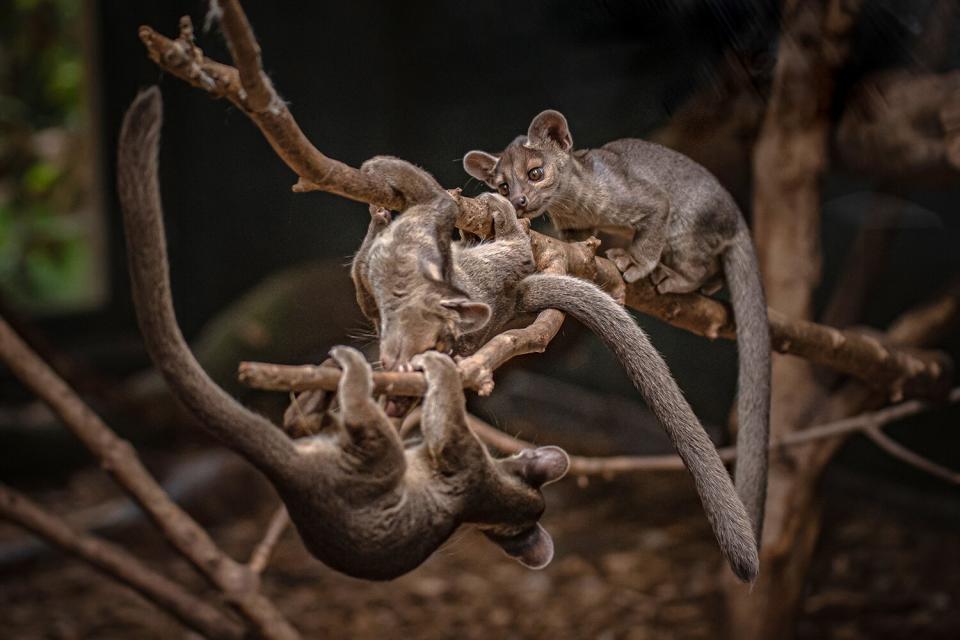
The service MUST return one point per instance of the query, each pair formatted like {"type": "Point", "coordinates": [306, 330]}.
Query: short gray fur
{"type": "Point", "coordinates": [423, 291]}
{"type": "Point", "coordinates": [687, 234]}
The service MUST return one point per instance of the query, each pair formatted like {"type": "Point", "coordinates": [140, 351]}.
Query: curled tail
{"type": "Point", "coordinates": [753, 384]}
{"type": "Point", "coordinates": [649, 373]}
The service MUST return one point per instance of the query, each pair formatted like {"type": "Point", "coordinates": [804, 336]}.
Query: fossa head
{"type": "Point", "coordinates": [529, 172]}
{"type": "Point", "coordinates": [419, 309]}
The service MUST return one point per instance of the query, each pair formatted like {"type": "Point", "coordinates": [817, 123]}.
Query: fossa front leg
{"type": "Point", "coordinates": [506, 224]}
{"type": "Point", "coordinates": [649, 241]}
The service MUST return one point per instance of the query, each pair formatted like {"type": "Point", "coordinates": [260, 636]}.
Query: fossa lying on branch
{"type": "Point", "coordinates": [362, 502]}
{"type": "Point", "coordinates": [422, 291]}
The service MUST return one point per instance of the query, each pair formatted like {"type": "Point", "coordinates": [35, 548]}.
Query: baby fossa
{"type": "Point", "coordinates": [363, 503]}
{"type": "Point", "coordinates": [422, 291]}
{"type": "Point", "coordinates": [685, 227]}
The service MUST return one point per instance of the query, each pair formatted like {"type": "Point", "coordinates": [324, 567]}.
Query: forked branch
{"type": "Point", "coordinates": [238, 584]}
{"type": "Point", "coordinates": [121, 565]}
{"type": "Point", "coordinates": [898, 372]}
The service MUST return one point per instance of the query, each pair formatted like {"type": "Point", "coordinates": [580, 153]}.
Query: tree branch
{"type": "Point", "coordinates": [609, 465]}
{"type": "Point", "coordinates": [897, 371]}
{"type": "Point", "coordinates": [238, 584]}
{"type": "Point", "coordinates": [912, 458]}
{"type": "Point", "coordinates": [120, 565]}
{"type": "Point", "coordinates": [261, 555]}
{"type": "Point", "coordinates": [883, 367]}
{"type": "Point", "coordinates": [182, 58]}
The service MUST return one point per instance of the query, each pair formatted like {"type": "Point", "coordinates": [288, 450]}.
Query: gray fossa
{"type": "Point", "coordinates": [363, 502]}
{"type": "Point", "coordinates": [423, 291]}
{"type": "Point", "coordinates": [686, 228]}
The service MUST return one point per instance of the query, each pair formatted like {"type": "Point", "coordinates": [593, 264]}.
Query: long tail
{"type": "Point", "coordinates": [649, 373]}
{"type": "Point", "coordinates": [753, 395]}
{"type": "Point", "coordinates": [138, 186]}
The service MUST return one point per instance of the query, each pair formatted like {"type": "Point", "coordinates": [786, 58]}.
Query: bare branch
{"type": "Point", "coordinates": [117, 456]}
{"type": "Point", "coordinates": [902, 123]}
{"type": "Point", "coordinates": [261, 555]}
{"type": "Point", "coordinates": [120, 565]}
{"type": "Point", "coordinates": [930, 323]}
{"type": "Point", "coordinates": [245, 51]}
{"type": "Point", "coordinates": [581, 465]}
{"type": "Point", "coordinates": [477, 370]}
{"type": "Point", "coordinates": [182, 58]}
{"type": "Point", "coordinates": [912, 458]}
{"type": "Point", "coordinates": [901, 373]}
{"type": "Point", "coordinates": [898, 372]}
{"type": "Point", "coordinates": [610, 465]}
{"type": "Point", "coordinates": [283, 377]}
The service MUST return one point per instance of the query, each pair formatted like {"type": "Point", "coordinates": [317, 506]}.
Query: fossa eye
{"type": "Point", "coordinates": [504, 189]}
{"type": "Point", "coordinates": [535, 174]}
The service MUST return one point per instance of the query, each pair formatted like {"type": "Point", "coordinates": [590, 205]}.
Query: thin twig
{"type": "Point", "coordinates": [116, 562]}
{"type": "Point", "coordinates": [245, 52]}
{"type": "Point", "coordinates": [901, 373]}
{"type": "Point", "coordinates": [610, 465]}
{"type": "Point", "coordinates": [912, 458]}
{"type": "Point", "coordinates": [261, 555]}
{"type": "Point", "coordinates": [119, 458]}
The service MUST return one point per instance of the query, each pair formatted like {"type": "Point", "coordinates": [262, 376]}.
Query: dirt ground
{"type": "Point", "coordinates": [634, 560]}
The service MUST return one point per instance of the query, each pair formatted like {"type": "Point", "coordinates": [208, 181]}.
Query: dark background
{"type": "Point", "coordinates": [427, 81]}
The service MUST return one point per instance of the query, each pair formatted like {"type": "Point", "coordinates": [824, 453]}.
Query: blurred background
{"type": "Point", "coordinates": [260, 273]}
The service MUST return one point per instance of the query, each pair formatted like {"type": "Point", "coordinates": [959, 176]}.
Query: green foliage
{"type": "Point", "coordinates": [46, 259]}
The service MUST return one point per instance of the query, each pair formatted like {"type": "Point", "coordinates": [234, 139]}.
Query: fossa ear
{"type": "Point", "coordinates": [533, 548]}
{"type": "Point", "coordinates": [551, 126]}
{"type": "Point", "coordinates": [472, 315]}
{"type": "Point", "coordinates": [480, 164]}
{"type": "Point", "coordinates": [539, 466]}
{"type": "Point", "coordinates": [431, 268]}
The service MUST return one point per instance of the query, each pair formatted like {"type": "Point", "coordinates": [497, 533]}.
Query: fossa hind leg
{"type": "Point", "coordinates": [369, 431]}
{"type": "Point", "coordinates": [444, 420]}
{"type": "Point", "coordinates": [686, 268]}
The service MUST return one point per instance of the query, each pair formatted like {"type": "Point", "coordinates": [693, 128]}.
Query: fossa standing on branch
{"type": "Point", "coordinates": [686, 230]}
